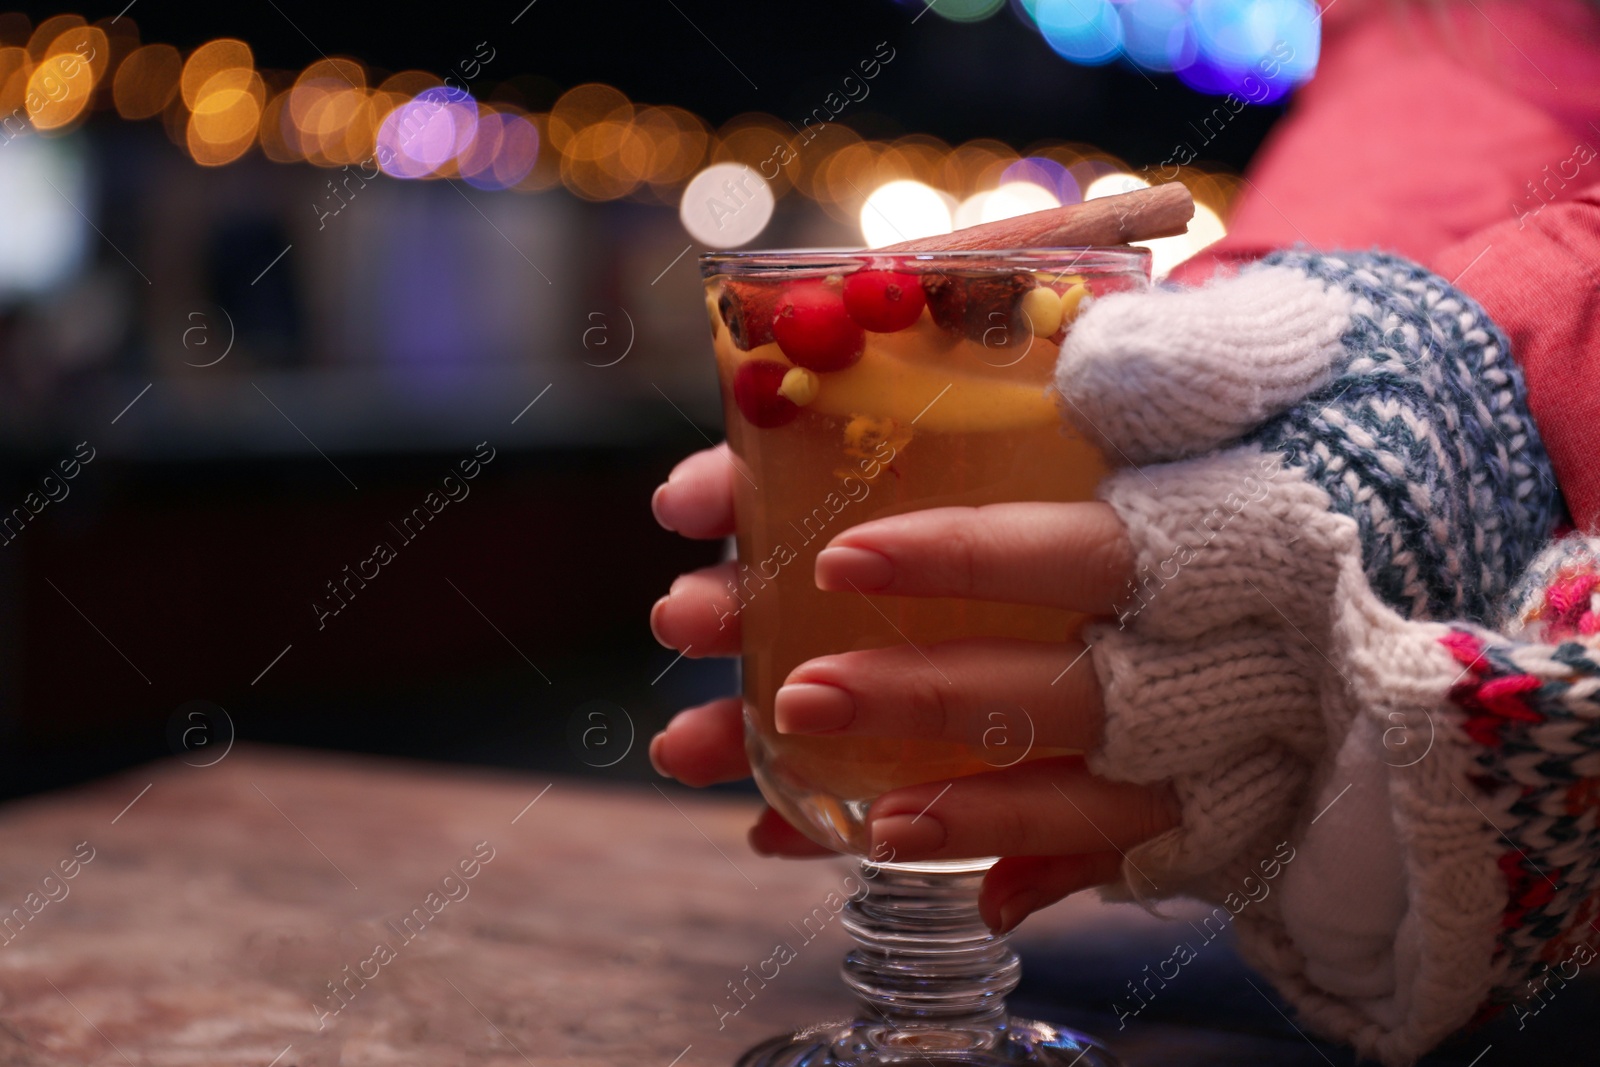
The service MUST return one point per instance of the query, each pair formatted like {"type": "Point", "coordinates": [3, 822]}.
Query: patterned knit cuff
{"type": "Point", "coordinates": [1531, 713]}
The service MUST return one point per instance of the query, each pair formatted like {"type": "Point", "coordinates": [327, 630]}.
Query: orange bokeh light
{"type": "Point", "coordinates": [762, 143]}
{"type": "Point", "coordinates": [546, 172]}
{"type": "Point", "coordinates": [46, 32]}
{"type": "Point", "coordinates": [226, 116]}
{"type": "Point", "coordinates": [209, 59]}
{"type": "Point", "coordinates": [15, 67]}
{"type": "Point", "coordinates": [813, 150]}
{"type": "Point", "coordinates": [59, 88]}
{"type": "Point", "coordinates": [586, 105]}
{"type": "Point", "coordinates": [147, 81]}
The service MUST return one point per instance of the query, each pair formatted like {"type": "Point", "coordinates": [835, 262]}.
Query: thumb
{"type": "Point", "coordinates": [1165, 373]}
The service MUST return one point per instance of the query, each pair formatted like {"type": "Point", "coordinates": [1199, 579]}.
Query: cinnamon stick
{"type": "Point", "coordinates": [1143, 214]}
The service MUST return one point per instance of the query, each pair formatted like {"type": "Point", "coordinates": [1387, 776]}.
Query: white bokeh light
{"type": "Point", "coordinates": [903, 211]}
{"type": "Point", "coordinates": [1016, 198]}
{"type": "Point", "coordinates": [1205, 228]}
{"type": "Point", "coordinates": [1112, 184]}
{"type": "Point", "coordinates": [726, 205]}
{"type": "Point", "coordinates": [970, 211]}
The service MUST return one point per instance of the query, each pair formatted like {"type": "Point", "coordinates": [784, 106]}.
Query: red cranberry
{"type": "Point", "coordinates": [883, 301]}
{"type": "Point", "coordinates": [755, 390]}
{"type": "Point", "coordinates": [814, 329]}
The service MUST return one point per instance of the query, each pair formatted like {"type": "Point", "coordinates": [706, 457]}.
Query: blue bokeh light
{"type": "Point", "coordinates": [1257, 50]}
{"type": "Point", "coordinates": [1046, 173]}
{"type": "Point", "coordinates": [1084, 31]}
{"type": "Point", "coordinates": [1157, 35]}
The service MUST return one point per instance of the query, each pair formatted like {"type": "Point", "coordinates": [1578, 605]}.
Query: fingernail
{"type": "Point", "coordinates": [655, 621]}
{"type": "Point", "coordinates": [907, 836]}
{"type": "Point", "coordinates": [806, 708]}
{"type": "Point", "coordinates": [658, 507]}
{"type": "Point", "coordinates": [1017, 906]}
{"type": "Point", "coordinates": [862, 568]}
{"type": "Point", "coordinates": [655, 754]}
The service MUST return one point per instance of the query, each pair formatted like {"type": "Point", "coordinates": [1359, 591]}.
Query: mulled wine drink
{"type": "Point", "coordinates": [857, 386]}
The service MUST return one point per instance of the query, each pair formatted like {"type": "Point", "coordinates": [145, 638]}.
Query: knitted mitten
{"type": "Point", "coordinates": [1317, 452]}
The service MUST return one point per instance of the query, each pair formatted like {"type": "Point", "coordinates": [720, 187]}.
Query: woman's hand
{"type": "Point", "coordinates": [1063, 828]}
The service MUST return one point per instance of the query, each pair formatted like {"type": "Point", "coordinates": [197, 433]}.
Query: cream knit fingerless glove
{"type": "Point", "coordinates": [1377, 465]}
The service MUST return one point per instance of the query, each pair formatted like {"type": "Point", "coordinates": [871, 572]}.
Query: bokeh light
{"type": "Point", "coordinates": [679, 142]}
{"type": "Point", "coordinates": [849, 175]}
{"type": "Point", "coordinates": [44, 34]}
{"type": "Point", "coordinates": [606, 160]}
{"type": "Point", "coordinates": [977, 165]}
{"type": "Point", "coordinates": [1157, 34]}
{"type": "Point", "coordinates": [964, 10]}
{"type": "Point", "coordinates": [762, 142]}
{"type": "Point", "coordinates": [514, 152]}
{"type": "Point", "coordinates": [225, 117]}
{"type": "Point", "coordinates": [59, 88]}
{"type": "Point", "coordinates": [1205, 229]}
{"type": "Point", "coordinates": [603, 146]}
{"type": "Point", "coordinates": [44, 246]}
{"type": "Point", "coordinates": [16, 66]}
{"type": "Point", "coordinates": [904, 210]}
{"type": "Point", "coordinates": [275, 129]}
{"type": "Point", "coordinates": [1084, 31]}
{"type": "Point", "coordinates": [209, 59]}
{"type": "Point", "coordinates": [422, 135]}
{"type": "Point", "coordinates": [1255, 49]}
{"type": "Point", "coordinates": [1016, 198]}
{"type": "Point", "coordinates": [546, 172]}
{"type": "Point", "coordinates": [969, 212]}
{"type": "Point", "coordinates": [146, 81]}
{"type": "Point", "coordinates": [1113, 184]}
{"type": "Point", "coordinates": [816, 150]}
{"type": "Point", "coordinates": [915, 156]}
{"type": "Point", "coordinates": [726, 205]}
{"type": "Point", "coordinates": [1046, 173]}
{"type": "Point", "coordinates": [583, 106]}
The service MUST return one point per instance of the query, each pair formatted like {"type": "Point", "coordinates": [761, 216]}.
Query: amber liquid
{"type": "Point", "coordinates": [992, 436]}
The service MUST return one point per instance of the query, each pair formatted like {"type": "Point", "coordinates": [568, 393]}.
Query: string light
{"type": "Point", "coordinates": [601, 145]}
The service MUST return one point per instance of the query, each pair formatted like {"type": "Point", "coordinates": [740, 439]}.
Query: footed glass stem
{"type": "Point", "coordinates": [932, 981]}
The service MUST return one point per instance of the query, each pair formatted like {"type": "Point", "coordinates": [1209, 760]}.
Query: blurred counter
{"type": "Point", "coordinates": [288, 908]}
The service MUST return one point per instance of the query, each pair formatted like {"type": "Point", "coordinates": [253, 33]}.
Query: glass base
{"type": "Point", "coordinates": [931, 980]}
{"type": "Point", "coordinates": [1020, 1043]}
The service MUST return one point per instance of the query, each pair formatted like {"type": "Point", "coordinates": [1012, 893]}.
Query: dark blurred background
{"type": "Point", "coordinates": [267, 378]}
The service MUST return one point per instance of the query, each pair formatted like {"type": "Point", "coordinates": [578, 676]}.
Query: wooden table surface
{"type": "Point", "coordinates": [219, 903]}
